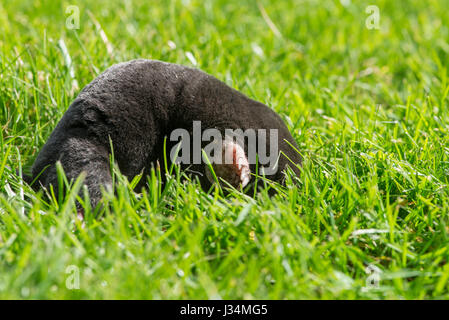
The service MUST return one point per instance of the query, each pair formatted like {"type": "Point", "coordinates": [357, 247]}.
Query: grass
{"type": "Point", "coordinates": [367, 107]}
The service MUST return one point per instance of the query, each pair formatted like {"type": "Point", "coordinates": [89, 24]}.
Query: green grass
{"type": "Point", "coordinates": [368, 108]}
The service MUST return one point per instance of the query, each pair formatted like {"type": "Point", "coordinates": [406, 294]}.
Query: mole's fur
{"type": "Point", "coordinates": [137, 104]}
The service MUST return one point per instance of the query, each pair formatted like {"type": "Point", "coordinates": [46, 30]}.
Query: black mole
{"type": "Point", "coordinates": [134, 105]}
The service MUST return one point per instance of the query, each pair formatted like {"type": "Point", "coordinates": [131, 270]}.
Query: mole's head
{"type": "Point", "coordinates": [234, 163]}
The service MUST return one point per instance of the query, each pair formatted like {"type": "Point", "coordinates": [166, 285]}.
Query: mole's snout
{"type": "Point", "coordinates": [231, 165]}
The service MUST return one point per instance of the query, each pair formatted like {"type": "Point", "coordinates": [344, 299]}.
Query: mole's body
{"type": "Point", "coordinates": [136, 105]}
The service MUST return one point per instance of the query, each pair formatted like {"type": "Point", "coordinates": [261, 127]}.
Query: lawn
{"type": "Point", "coordinates": [367, 104]}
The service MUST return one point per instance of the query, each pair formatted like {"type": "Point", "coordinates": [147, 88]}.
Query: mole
{"type": "Point", "coordinates": [133, 108]}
